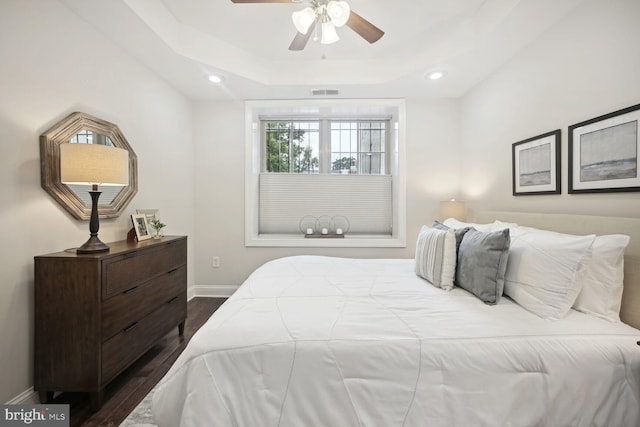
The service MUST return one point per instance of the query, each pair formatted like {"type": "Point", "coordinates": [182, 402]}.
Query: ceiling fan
{"type": "Point", "coordinates": [327, 14]}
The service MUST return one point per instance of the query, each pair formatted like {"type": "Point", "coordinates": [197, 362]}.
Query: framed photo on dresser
{"type": "Point", "coordinates": [141, 226]}
{"type": "Point", "coordinates": [149, 213]}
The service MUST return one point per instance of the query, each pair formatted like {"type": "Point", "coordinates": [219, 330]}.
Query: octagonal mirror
{"type": "Point", "coordinates": [81, 128]}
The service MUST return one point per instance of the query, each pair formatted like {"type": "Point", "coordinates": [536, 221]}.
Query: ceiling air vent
{"type": "Point", "coordinates": [324, 92]}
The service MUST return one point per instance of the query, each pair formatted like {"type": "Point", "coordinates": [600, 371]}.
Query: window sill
{"type": "Point", "coordinates": [349, 241]}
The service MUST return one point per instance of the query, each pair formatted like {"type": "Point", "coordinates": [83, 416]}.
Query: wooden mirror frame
{"type": "Point", "coordinates": [61, 133]}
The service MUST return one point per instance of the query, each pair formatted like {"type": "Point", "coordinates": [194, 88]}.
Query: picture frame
{"type": "Point", "coordinates": [536, 164]}
{"type": "Point", "coordinates": [603, 153]}
{"type": "Point", "coordinates": [149, 213]}
{"type": "Point", "coordinates": [141, 226]}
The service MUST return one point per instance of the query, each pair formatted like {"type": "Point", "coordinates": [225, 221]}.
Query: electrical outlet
{"type": "Point", "coordinates": [215, 262]}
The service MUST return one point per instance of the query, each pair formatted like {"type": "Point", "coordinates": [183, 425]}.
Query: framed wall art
{"type": "Point", "coordinates": [603, 153]}
{"type": "Point", "coordinates": [535, 165]}
{"type": "Point", "coordinates": [141, 226]}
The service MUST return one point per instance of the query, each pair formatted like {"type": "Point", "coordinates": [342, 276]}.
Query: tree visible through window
{"type": "Point", "coordinates": [349, 147]}
{"type": "Point", "coordinates": [292, 146]}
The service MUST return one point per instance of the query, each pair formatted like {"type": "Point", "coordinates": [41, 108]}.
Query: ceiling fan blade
{"type": "Point", "coordinates": [264, 1]}
{"type": "Point", "coordinates": [366, 29]}
{"type": "Point", "coordinates": [300, 40]}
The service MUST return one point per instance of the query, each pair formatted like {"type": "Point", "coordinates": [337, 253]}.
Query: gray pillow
{"type": "Point", "coordinates": [482, 261]}
{"type": "Point", "coordinates": [460, 232]}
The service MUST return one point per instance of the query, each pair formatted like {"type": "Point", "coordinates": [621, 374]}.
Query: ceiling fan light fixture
{"type": "Point", "coordinates": [320, 20]}
{"type": "Point", "coordinates": [303, 19]}
{"type": "Point", "coordinates": [339, 12]}
{"type": "Point", "coordinates": [329, 34]}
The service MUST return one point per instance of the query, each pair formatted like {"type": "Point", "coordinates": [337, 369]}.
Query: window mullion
{"type": "Point", "coordinates": [263, 147]}
{"type": "Point", "coordinates": [291, 159]}
{"type": "Point", "coordinates": [325, 146]}
{"type": "Point", "coordinates": [387, 147]}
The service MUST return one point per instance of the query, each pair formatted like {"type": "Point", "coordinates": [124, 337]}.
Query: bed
{"type": "Point", "coordinates": [325, 341]}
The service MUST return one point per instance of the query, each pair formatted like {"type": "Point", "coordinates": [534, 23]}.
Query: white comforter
{"type": "Point", "coordinates": [320, 341]}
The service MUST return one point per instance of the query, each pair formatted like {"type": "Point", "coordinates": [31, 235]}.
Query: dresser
{"type": "Point", "coordinates": [96, 314]}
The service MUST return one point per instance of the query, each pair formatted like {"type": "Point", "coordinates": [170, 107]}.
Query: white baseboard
{"type": "Point", "coordinates": [212, 291]}
{"type": "Point", "coordinates": [27, 397]}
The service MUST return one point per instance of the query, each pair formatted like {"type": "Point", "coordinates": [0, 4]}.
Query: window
{"type": "Point", "coordinates": [292, 146]}
{"type": "Point", "coordinates": [339, 160]}
{"type": "Point", "coordinates": [354, 147]}
{"type": "Point", "coordinates": [358, 147]}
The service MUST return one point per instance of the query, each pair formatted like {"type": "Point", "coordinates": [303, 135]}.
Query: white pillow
{"type": "Point", "coordinates": [544, 269]}
{"type": "Point", "coordinates": [455, 224]}
{"type": "Point", "coordinates": [601, 294]}
{"type": "Point", "coordinates": [436, 256]}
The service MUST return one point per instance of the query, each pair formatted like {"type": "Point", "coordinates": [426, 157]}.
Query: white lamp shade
{"type": "Point", "coordinates": [329, 34]}
{"type": "Point", "coordinates": [339, 12]}
{"type": "Point", "coordinates": [303, 19]}
{"type": "Point", "coordinates": [453, 209]}
{"type": "Point", "coordinates": [93, 164]}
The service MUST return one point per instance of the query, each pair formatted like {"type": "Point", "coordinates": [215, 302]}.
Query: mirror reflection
{"type": "Point", "coordinates": [81, 128]}
{"type": "Point", "coordinates": [109, 193]}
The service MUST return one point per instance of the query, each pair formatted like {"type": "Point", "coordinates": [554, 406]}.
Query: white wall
{"type": "Point", "coordinates": [585, 66]}
{"type": "Point", "coordinates": [432, 175]}
{"type": "Point", "coordinates": [53, 64]}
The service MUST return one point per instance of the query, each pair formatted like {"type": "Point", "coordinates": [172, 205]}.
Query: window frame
{"type": "Point", "coordinates": [325, 131]}
{"type": "Point", "coordinates": [337, 109]}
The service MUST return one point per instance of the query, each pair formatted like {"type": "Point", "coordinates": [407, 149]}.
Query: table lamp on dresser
{"type": "Point", "coordinates": [93, 164]}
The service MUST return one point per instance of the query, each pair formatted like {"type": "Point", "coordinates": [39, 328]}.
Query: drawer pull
{"type": "Point", "coordinates": [130, 327]}
{"type": "Point", "coordinates": [173, 270]}
{"type": "Point", "coordinates": [172, 300]}
{"type": "Point", "coordinates": [130, 290]}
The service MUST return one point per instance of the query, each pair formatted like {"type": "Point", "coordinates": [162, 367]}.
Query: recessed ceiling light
{"type": "Point", "coordinates": [436, 75]}
{"type": "Point", "coordinates": [214, 79]}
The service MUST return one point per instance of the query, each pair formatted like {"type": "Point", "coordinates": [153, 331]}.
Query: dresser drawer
{"type": "Point", "coordinates": [128, 345]}
{"type": "Point", "coordinates": [121, 310]}
{"type": "Point", "coordinates": [131, 269]}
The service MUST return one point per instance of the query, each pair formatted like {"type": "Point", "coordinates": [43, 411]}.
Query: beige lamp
{"type": "Point", "coordinates": [93, 164]}
{"type": "Point", "coordinates": [453, 209]}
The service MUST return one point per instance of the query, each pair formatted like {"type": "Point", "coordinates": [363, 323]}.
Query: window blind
{"type": "Point", "coordinates": [365, 200]}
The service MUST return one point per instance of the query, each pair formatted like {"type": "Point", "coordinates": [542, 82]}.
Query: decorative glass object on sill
{"type": "Point", "coordinates": [308, 225]}
{"type": "Point", "coordinates": [340, 224]}
{"type": "Point", "coordinates": [324, 226]}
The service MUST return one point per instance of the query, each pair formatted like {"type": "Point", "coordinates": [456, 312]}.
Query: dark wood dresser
{"type": "Point", "coordinates": [96, 314]}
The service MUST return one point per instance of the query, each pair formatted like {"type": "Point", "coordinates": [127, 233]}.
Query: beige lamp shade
{"type": "Point", "coordinates": [93, 164]}
{"type": "Point", "coordinates": [453, 209]}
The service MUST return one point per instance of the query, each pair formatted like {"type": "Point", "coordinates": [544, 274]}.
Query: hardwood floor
{"type": "Point", "coordinates": [129, 388]}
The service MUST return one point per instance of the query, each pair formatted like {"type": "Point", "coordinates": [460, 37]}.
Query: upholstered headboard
{"type": "Point", "coordinates": [599, 225]}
